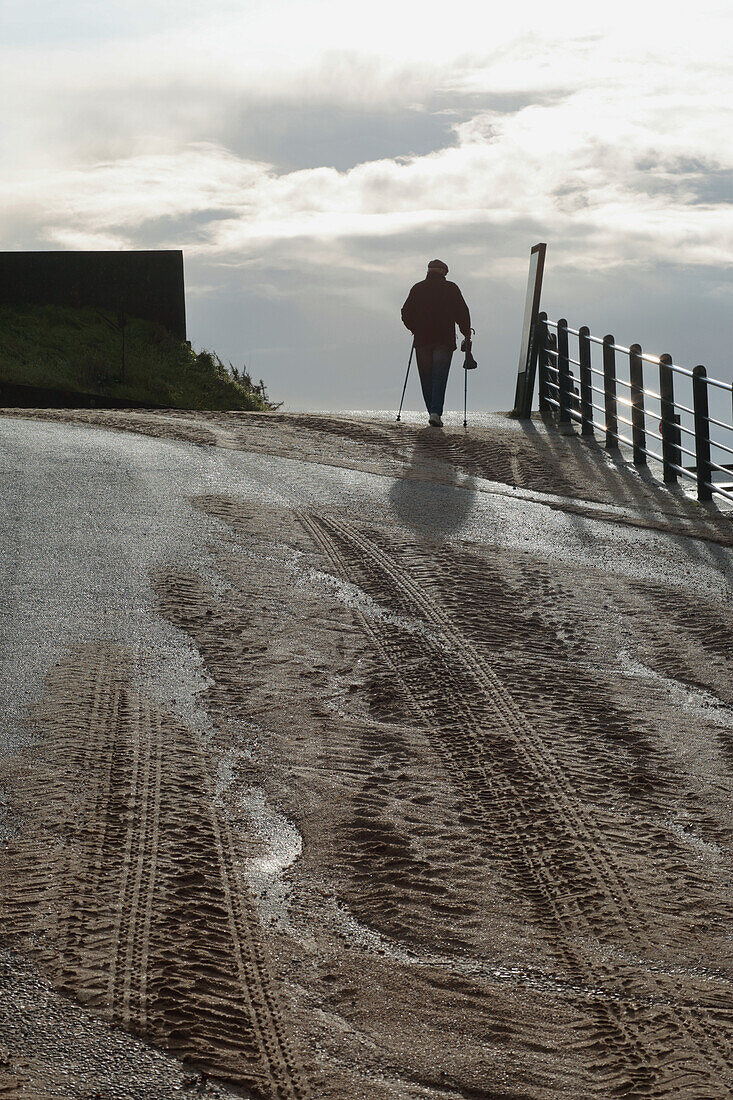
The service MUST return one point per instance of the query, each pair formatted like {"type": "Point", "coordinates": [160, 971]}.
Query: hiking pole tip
{"type": "Point", "coordinates": [407, 375]}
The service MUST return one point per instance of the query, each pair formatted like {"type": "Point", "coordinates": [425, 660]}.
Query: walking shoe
{"type": "Point", "coordinates": [435, 421]}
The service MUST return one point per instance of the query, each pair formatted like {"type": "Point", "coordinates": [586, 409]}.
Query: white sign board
{"type": "Point", "coordinates": [531, 303]}
{"type": "Point", "coordinates": [528, 349]}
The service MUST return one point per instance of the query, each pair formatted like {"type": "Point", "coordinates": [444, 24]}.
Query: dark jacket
{"type": "Point", "coordinates": [433, 309]}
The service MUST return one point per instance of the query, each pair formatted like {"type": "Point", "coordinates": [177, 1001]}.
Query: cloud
{"type": "Point", "coordinates": [616, 177]}
{"type": "Point", "coordinates": [311, 175]}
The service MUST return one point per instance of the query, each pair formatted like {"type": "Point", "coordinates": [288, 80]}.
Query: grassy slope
{"type": "Point", "coordinates": [77, 349]}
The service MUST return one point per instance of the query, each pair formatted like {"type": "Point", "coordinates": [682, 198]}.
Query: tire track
{"type": "Point", "coordinates": [149, 924]}
{"type": "Point", "coordinates": [139, 873]}
{"type": "Point", "coordinates": [661, 1042]}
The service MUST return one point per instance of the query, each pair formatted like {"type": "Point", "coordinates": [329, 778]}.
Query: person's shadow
{"type": "Point", "coordinates": [432, 497]}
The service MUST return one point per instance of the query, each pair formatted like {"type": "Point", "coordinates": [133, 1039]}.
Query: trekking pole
{"type": "Point", "coordinates": [469, 363]}
{"type": "Point", "coordinates": [409, 364]}
{"type": "Point", "coordinates": [465, 394]}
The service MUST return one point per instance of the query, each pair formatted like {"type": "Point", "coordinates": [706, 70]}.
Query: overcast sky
{"type": "Point", "coordinates": [310, 157]}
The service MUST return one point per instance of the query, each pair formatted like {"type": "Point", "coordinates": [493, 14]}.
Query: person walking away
{"type": "Point", "coordinates": [431, 312]}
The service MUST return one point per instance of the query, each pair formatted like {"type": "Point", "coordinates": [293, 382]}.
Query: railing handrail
{"type": "Point", "coordinates": [727, 386]}
{"type": "Point", "coordinates": [558, 391]}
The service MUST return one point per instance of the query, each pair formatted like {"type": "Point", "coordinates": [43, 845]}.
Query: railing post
{"type": "Point", "coordinates": [702, 433]}
{"type": "Point", "coordinates": [586, 382]}
{"type": "Point", "coordinates": [542, 342]}
{"type": "Point", "coordinates": [563, 370]}
{"type": "Point", "coordinates": [609, 390]}
{"type": "Point", "coordinates": [638, 426]}
{"type": "Point", "coordinates": [677, 442]}
{"type": "Point", "coordinates": [669, 423]}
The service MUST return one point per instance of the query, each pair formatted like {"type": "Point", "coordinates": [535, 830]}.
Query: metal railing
{"type": "Point", "coordinates": [629, 402]}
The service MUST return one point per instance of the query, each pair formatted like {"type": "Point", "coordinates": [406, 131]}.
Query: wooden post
{"type": "Point", "coordinates": [670, 431]}
{"type": "Point", "coordinates": [609, 390]}
{"type": "Point", "coordinates": [638, 425]}
{"type": "Point", "coordinates": [702, 433]}
{"type": "Point", "coordinates": [586, 382]}
{"type": "Point", "coordinates": [542, 344]}
{"type": "Point", "coordinates": [563, 369]}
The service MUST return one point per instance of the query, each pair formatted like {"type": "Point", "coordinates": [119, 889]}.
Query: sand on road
{"type": "Point", "coordinates": [345, 759]}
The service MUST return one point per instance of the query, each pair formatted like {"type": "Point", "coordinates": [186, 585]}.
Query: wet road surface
{"type": "Point", "coordinates": [345, 758]}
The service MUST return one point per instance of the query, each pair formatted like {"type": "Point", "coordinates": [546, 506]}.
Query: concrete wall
{"type": "Point", "coordinates": [142, 284]}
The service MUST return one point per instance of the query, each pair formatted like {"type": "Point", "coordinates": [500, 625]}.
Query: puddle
{"type": "Point", "coordinates": [281, 845]}
{"type": "Point", "coordinates": [350, 595]}
{"type": "Point", "coordinates": [295, 563]}
{"type": "Point", "coordinates": [276, 840]}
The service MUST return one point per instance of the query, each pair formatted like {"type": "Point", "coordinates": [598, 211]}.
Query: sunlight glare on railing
{"type": "Point", "coordinates": [649, 408]}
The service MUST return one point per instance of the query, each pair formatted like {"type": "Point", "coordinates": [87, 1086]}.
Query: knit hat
{"type": "Point", "coordinates": [438, 265]}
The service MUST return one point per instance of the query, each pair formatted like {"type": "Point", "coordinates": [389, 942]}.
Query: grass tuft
{"type": "Point", "coordinates": [57, 347]}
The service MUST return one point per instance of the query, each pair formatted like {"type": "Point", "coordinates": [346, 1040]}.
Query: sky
{"type": "Point", "coordinates": [311, 156]}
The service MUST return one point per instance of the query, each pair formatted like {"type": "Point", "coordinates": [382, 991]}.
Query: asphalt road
{"type": "Point", "coordinates": [414, 778]}
{"type": "Point", "coordinates": [89, 514]}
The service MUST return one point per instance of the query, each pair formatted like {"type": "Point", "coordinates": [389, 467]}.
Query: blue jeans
{"type": "Point", "coordinates": [433, 363]}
